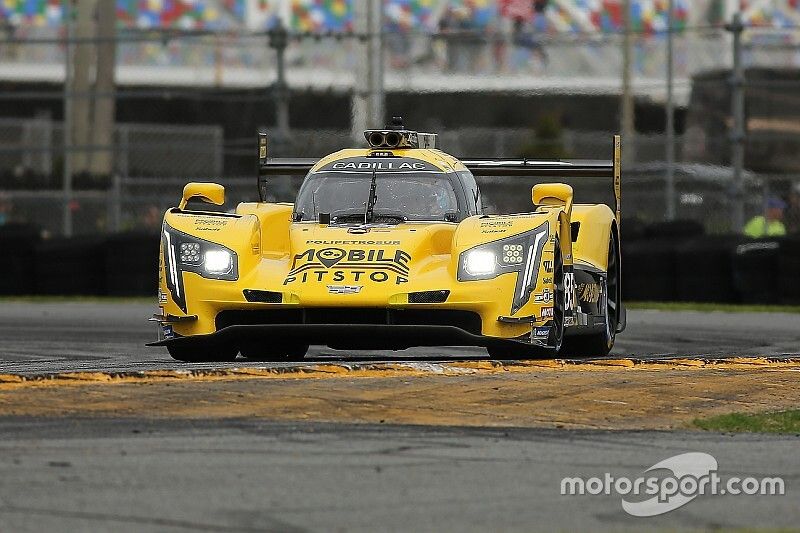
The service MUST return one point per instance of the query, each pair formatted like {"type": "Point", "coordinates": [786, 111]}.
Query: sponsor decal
{"type": "Point", "coordinates": [497, 223]}
{"type": "Point", "coordinates": [569, 291]}
{"type": "Point", "coordinates": [209, 223]}
{"type": "Point", "coordinates": [162, 296]}
{"type": "Point", "coordinates": [547, 312]}
{"type": "Point", "coordinates": [547, 281]}
{"type": "Point", "coordinates": [345, 289]}
{"type": "Point", "coordinates": [541, 332]}
{"type": "Point", "coordinates": [166, 329]}
{"type": "Point", "coordinates": [548, 266]}
{"type": "Point", "coordinates": [333, 264]}
{"type": "Point", "coordinates": [378, 165]}
{"type": "Point", "coordinates": [496, 226]}
{"type": "Point", "coordinates": [368, 164]}
{"type": "Point", "coordinates": [354, 243]}
{"type": "Point", "coordinates": [569, 321]}
{"type": "Point", "coordinates": [545, 297]}
{"type": "Point", "coordinates": [589, 292]}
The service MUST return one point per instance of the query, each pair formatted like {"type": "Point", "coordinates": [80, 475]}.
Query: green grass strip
{"type": "Point", "coordinates": [726, 308]}
{"type": "Point", "coordinates": [777, 422]}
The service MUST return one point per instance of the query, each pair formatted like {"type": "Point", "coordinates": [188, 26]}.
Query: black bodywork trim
{"type": "Point", "coordinates": [342, 336]}
{"type": "Point", "coordinates": [346, 316]}
{"type": "Point", "coordinates": [174, 280]}
{"type": "Point", "coordinates": [517, 319]}
{"type": "Point", "coordinates": [173, 318]}
{"type": "Point", "coordinates": [262, 296]}
{"type": "Point", "coordinates": [350, 336]}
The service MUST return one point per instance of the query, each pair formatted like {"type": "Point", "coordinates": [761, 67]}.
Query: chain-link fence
{"type": "Point", "coordinates": [137, 201]}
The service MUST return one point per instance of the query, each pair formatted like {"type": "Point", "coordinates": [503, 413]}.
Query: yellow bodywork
{"type": "Point", "coordinates": [302, 260]}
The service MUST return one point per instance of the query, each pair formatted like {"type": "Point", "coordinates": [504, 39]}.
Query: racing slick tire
{"type": "Point", "coordinates": [519, 350]}
{"type": "Point", "coordinates": [600, 344]}
{"type": "Point", "coordinates": [260, 352]}
{"type": "Point", "coordinates": [203, 352]}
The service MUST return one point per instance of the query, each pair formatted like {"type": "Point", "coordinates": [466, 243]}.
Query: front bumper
{"type": "Point", "coordinates": [356, 328]}
{"type": "Point", "coordinates": [349, 336]}
{"type": "Point", "coordinates": [338, 336]}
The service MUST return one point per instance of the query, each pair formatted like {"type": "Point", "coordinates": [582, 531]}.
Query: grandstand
{"type": "Point", "coordinates": [431, 45]}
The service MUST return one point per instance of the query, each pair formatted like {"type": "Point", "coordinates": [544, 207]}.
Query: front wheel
{"type": "Point", "coordinates": [600, 344]}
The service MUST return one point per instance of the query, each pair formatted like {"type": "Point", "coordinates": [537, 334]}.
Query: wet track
{"type": "Point", "coordinates": [56, 337]}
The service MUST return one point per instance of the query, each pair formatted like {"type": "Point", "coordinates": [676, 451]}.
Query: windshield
{"type": "Point", "coordinates": [398, 197]}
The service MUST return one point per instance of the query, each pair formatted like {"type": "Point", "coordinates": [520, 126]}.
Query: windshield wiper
{"type": "Point", "coordinates": [341, 217]}
{"type": "Point", "coordinates": [373, 197]}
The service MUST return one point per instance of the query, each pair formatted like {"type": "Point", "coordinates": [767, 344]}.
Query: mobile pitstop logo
{"type": "Point", "coordinates": [338, 265]}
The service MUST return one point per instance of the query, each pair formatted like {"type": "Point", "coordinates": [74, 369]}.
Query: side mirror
{"type": "Point", "coordinates": [558, 194]}
{"type": "Point", "coordinates": [211, 193]}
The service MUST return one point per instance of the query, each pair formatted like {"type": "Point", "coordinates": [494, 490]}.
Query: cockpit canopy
{"type": "Point", "coordinates": [406, 189]}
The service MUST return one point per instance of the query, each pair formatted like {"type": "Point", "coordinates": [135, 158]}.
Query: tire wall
{"type": "Point", "coordinates": [665, 262]}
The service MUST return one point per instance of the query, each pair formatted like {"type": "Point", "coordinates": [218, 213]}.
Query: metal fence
{"type": "Point", "coordinates": [137, 201]}
{"type": "Point", "coordinates": [31, 152]}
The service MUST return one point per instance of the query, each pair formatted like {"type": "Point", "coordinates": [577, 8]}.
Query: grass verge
{"type": "Point", "coordinates": [727, 308]}
{"type": "Point", "coordinates": [777, 422]}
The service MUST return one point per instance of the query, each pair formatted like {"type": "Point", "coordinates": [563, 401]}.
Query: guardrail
{"type": "Point", "coordinates": [661, 262]}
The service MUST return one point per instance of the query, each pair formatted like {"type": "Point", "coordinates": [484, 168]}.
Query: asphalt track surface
{"type": "Point", "coordinates": [96, 336]}
{"type": "Point", "coordinates": [133, 474]}
{"type": "Point", "coordinates": [138, 475]}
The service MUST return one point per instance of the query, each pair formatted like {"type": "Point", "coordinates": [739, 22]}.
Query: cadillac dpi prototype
{"type": "Point", "coordinates": [388, 247]}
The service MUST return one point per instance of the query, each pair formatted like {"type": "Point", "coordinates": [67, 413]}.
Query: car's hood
{"type": "Point", "coordinates": [346, 257]}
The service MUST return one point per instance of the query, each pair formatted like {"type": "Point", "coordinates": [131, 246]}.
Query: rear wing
{"type": "Point", "coordinates": [577, 168]}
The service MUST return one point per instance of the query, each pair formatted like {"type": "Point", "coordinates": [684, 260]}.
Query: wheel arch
{"type": "Point", "coordinates": [597, 225]}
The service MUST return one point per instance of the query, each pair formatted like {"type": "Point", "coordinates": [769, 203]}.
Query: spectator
{"type": "Point", "coordinates": [770, 225]}
{"type": "Point", "coordinates": [151, 220]}
{"type": "Point", "coordinates": [793, 213]}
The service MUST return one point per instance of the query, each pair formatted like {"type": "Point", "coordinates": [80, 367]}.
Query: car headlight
{"type": "Point", "coordinates": [187, 253]}
{"type": "Point", "coordinates": [479, 262]}
{"type": "Point", "coordinates": [520, 253]}
{"type": "Point", "coordinates": [217, 261]}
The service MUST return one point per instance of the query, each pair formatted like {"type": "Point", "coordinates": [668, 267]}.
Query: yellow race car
{"type": "Point", "coordinates": [388, 247]}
